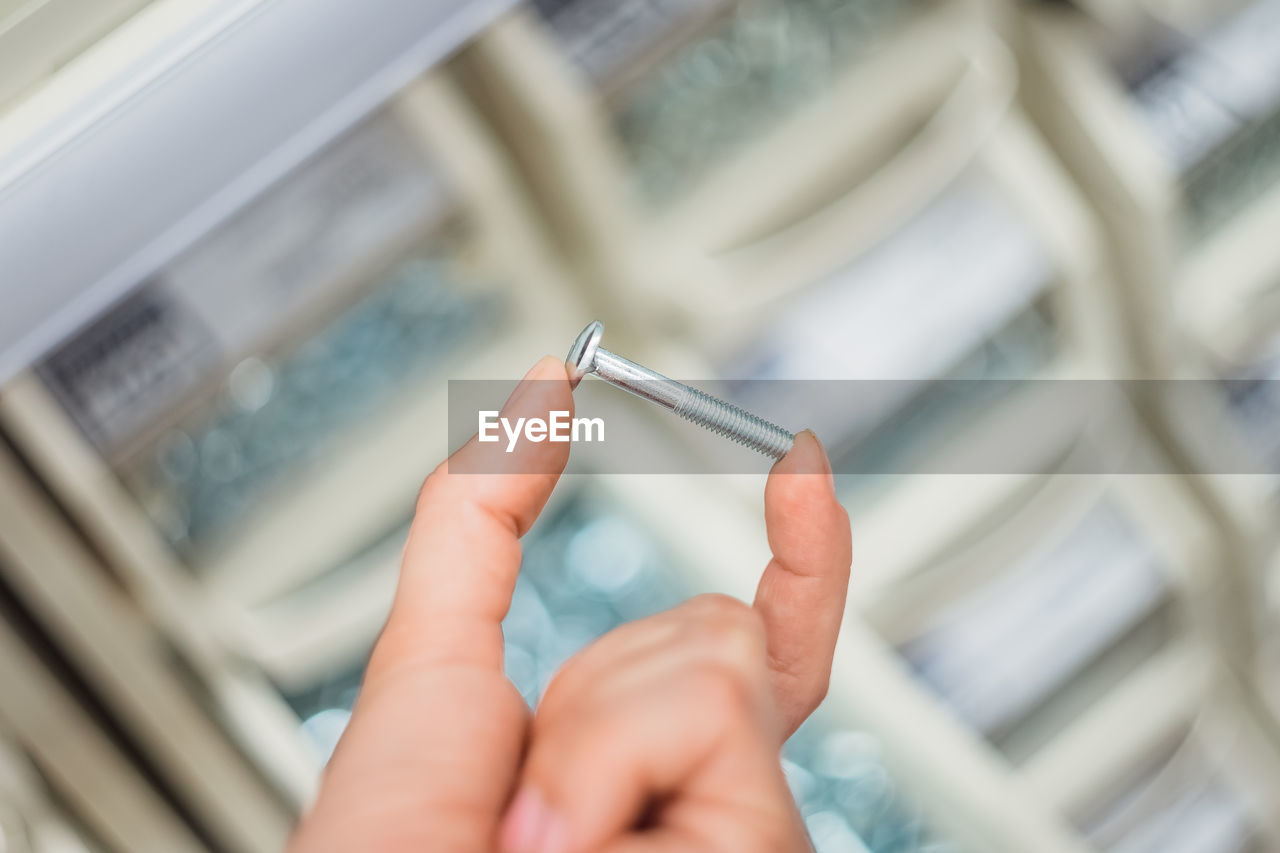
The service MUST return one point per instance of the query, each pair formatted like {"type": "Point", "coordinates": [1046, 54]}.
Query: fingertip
{"type": "Point", "coordinates": [544, 388]}
{"type": "Point", "coordinates": [548, 367]}
{"type": "Point", "coordinates": [803, 589]}
{"type": "Point", "coordinates": [803, 513]}
{"type": "Point", "coordinates": [807, 456]}
{"type": "Point", "coordinates": [544, 391]}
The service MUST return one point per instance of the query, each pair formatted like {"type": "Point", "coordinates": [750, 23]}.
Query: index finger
{"type": "Point", "coordinates": [463, 551]}
{"type": "Point", "coordinates": [801, 594]}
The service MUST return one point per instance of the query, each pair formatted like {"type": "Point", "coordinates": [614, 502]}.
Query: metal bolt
{"type": "Point", "coordinates": [586, 356]}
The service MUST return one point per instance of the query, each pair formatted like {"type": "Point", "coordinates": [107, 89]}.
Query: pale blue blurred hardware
{"type": "Point", "coordinates": [1234, 176]}
{"type": "Point", "coordinates": [588, 569]}
{"type": "Point", "coordinates": [274, 417]}
{"type": "Point", "coordinates": [1214, 109]}
{"type": "Point", "coordinates": [717, 92]}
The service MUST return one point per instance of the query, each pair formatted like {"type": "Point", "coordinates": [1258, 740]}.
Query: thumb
{"type": "Point", "coordinates": [589, 784]}
{"type": "Point", "coordinates": [678, 734]}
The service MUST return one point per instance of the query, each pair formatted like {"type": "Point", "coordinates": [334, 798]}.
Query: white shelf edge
{"type": "Point", "coordinates": [178, 155]}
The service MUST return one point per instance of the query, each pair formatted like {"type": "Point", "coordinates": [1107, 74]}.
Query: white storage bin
{"type": "Point", "coordinates": [846, 150]}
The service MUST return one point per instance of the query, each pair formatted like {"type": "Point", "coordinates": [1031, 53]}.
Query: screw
{"type": "Point", "coordinates": [586, 356]}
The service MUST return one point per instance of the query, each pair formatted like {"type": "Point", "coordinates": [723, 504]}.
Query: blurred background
{"type": "Point", "coordinates": [244, 245]}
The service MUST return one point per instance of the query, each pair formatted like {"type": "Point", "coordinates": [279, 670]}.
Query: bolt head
{"type": "Point", "coordinates": [582, 355]}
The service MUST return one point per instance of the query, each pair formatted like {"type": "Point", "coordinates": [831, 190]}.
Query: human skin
{"type": "Point", "coordinates": [663, 735]}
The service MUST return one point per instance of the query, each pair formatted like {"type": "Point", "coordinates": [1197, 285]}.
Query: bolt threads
{"type": "Point", "coordinates": [733, 423]}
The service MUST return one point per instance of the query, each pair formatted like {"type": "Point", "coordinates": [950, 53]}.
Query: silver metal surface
{"type": "Point", "coordinates": [726, 419]}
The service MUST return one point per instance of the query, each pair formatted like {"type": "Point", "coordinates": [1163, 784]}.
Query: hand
{"type": "Point", "coordinates": [432, 754]}
{"type": "Point", "coordinates": [661, 736]}
{"type": "Point", "coordinates": [664, 734]}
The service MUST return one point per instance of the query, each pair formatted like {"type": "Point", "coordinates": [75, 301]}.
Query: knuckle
{"type": "Point", "coordinates": [715, 604]}
{"type": "Point", "coordinates": [568, 691]}
{"type": "Point", "coordinates": [727, 621]}
{"type": "Point", "coordinates": [725, 692]}
{"type": "Point", "coordinates": [729, 632]}
{"type": "Point", "coordinates": [726, 617]}
{"type": "Point", "coordinates": [431, 485]}
{"type": "Point", "coordinates": [817, 694]}
{"type": "Point", "coordinates": [801, 691]}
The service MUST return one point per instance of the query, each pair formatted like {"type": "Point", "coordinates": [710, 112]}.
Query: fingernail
{"type": "Point", "coordinates": [531, 827]}
{"type": "Point", "coordinates": [528, 380]}
{"type": "Point", "coordinates": [539, 365]}
{"type": "Point", "coordinates": [822, 451]}
{"type": "Point", "coordinates": [815, 460]}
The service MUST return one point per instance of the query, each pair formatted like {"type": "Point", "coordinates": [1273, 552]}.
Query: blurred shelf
{"type": "Point", "coordinates": [74, 763]}
{"type": "Point", "coordinates": [1163, 695]}
{"type": "Point", "coordinates": [194, 82]}
{"type": "Point", "coordinates": [822, 268]}
{"type": "Point", "coordinates": [1184, 17]}
{"type": "Point", "coordinates": [1210, 783]}
{"type": "Point", "coordinates": [951, 82]}
{"type": "Point", "coordinates": [1072, 581]}
{"type": "Point", "coordinates": [35, 39]}
{"type": "Point", "coordinates": [967, 778]}
{"type": "Point", "coordinates": [34, 818]}
{"type": "Point", "coordinates": [1136, 162]}
{"type": "Point", "coordinates": [1007, 234]}
{"type": "Point", "coordinates": [1006, 245]}
{"type": "Point", "coordinates": [999, 533]}
{"type": "Point", "coordinates": [214, 602]}
{"type": "Point", "coordinates": [1166, 131]}
{"type": "Point", "coordinates": [1231, 285]}
{"type": "Point", "coordinates": [964, 508]}
{"type": "Point", "coordinates": [1034, 311]}
{"type": "Point", "coordinates": [382, 459]}
{"type": "Point", "coordinates": [127, 663]}
{"type": "Point", "coordinates": [957, 80]}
